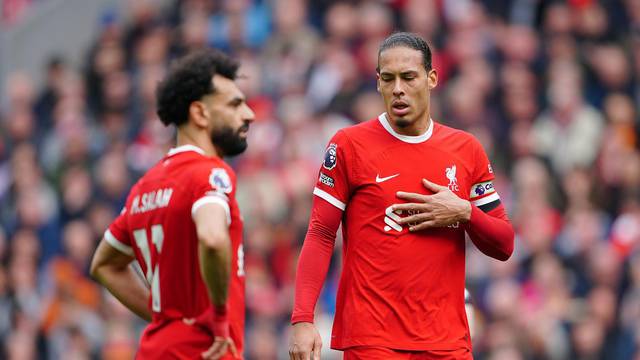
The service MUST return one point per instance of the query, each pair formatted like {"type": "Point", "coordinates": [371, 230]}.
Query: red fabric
{"type": "Point", "coordinates": [382, 353]}
{"type": "Point", "coordinates": [177, 339]}
{"type": "Point", "coordinates": [314, 258]}
{"type": "Point", "coordinates": [491, 232]}
{"type": "Point", "coordinates": [397, 289]}
{"type": "Point", "coordinates": [164, 240]}
{"type": "Point", "coordinates": [216, 319]}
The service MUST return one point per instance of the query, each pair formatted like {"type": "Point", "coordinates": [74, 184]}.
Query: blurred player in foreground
{"type": "Point", "coordinates": [182, 224]}
{"type": "Point", "coordinates": [406, 190]}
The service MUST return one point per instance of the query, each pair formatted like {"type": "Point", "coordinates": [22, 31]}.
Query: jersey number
{"type": "Point", "coordinates": [153, 272]}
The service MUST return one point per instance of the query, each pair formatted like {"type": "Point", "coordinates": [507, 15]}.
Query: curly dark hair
{"type": "Point", "coordinates": [188, 80]}
{"type": "Point", "coordinates": [409, 40]}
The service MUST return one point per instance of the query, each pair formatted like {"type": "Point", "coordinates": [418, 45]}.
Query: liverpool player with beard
{"type": "Point", "coordinates": [406, 190]}
{"type": "Point", "coordinates": [182, 224]}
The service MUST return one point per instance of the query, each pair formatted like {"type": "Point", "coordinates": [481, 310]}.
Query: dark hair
{"type": "Point", "coordinates": [188, 80]}
{"type": "Point", "coordinates": [409, 40]}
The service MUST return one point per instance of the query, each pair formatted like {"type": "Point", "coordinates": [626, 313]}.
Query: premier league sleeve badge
{"type": "Point", "coordinates": [220, 180]}
{"type": "Point", "coordinates": [330, 157]}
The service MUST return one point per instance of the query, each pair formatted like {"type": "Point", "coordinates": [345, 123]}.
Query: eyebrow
{"type": "Point", "coordinates": [237, 100]}
{"type": "Point", "coordinates": [404, 73]}
{"type": "Point", "coordinates": [409, 72]}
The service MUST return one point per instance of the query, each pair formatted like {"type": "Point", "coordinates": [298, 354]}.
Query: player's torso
{"type": "Point", "coordinates": [395, 280]}
{"type": "Point", "coordinates": [387, 165]}
{"type": "Point", "coordinates": [166, 245]}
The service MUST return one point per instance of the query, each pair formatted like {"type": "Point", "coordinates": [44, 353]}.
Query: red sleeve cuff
{"type": "Point", "coordinates": [296, 318]}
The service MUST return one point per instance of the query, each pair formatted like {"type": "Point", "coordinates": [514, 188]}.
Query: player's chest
{"type": "Point", "coordinates": [403, 169]}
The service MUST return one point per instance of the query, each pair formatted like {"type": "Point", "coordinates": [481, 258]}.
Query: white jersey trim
{"type": "Point", "coordinates": [488, 199]}
{"type": "Point", "coordinates": [212, 199]}
{"type": "Point", "coordinates": [184, 148]}
{"type": "Point", "coordinates": [406, 138]}
{"type": "Point", "coordinates": [329, 198]}
{"type": "Point", "coordinates": [117, 244]}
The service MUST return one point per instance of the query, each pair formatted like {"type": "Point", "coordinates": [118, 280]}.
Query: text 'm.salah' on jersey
{"type": "Point", "coordinates": [156, 227]}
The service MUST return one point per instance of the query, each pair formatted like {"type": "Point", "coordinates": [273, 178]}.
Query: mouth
{"type": "Point", "coordinates": [400, 107]}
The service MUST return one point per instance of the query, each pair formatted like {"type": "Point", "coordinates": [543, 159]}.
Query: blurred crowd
{"type": "Point", "coordinates": [551, 89]}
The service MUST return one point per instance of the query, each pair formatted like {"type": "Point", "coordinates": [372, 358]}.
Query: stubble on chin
{"type": "Point", "coordinates": [402, 122]}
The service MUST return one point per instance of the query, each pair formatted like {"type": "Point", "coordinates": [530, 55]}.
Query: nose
{"type": "Point", "coordinates": [249, 115]}
{"type": "Point", "coordinates": [397, 87]}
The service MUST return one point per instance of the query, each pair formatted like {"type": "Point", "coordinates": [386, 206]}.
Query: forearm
{"type": "Point", "coordinates": [491, 232]}
{"type": "Point", "coordinates": [311, 274]}
{"type": "Point", "coordinates": [314, 259]}
{"type": "Point", "coordinates": [125, 285]}
{"type": "Point", "coordinates": [215, 267]}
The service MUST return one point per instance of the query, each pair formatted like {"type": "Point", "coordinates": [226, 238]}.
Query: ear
{"type": "Point", "coordinates": [432, 79]}
{"type": "Point", "coordinates": [378, 81]}
{"type": "Point", "coordinates": [199, 114]}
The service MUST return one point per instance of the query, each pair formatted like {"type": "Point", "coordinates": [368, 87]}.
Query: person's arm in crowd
{"type": "Point", "coordinates": [310, 276]}
{"type": "Point", "coordinates": [111, 267]}
{"type": "Point", "coordinates": [491, 232]}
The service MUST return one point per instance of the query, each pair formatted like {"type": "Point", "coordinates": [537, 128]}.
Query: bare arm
{"type": "Point", "coordinates": [214, 250]}
{"type": "Point", "coordinates": [111, 268]}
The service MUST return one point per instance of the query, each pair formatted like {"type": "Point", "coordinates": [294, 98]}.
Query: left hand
{"type": "Point", "coordinates": [441, 209]}
{"type": "Point", "coordinates": [215, 320]}
{"type": "Point", "coordinates": [219, 348]}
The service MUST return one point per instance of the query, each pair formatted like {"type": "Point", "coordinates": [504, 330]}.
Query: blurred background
{"type": "Point", "coordinates": [551, 89]}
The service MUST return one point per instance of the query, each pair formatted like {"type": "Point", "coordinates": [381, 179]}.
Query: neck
{"type": "Point", "coordinates": [418, 127]}
{"type": "Point", "coordinates": [199, 139]}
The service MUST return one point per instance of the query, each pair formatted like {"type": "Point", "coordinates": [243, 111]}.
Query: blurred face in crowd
{"type": "Point", "coordinates": [228, 116]}
{"type": "Point", "coordinates": [405, 84]}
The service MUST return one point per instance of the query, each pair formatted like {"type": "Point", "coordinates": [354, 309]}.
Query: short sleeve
{"type": "Point", "coordinates": [333, 178]}
{"type": "Point", "coordinates": [483, 194]}
{"type": "Point", "coordinates": [117, 234]}
{"type": "Point", "coordinates": [212, 184]}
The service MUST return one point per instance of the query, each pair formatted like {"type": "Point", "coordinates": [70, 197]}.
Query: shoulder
{"type": "Point", "coordinates": [361, 129]}
{"type": "Point", "coordinates": [214, 171]}
{"type": "Point", "coordinates": [447, 136]}
{"type": "Point", "coordinates": [360, 133]}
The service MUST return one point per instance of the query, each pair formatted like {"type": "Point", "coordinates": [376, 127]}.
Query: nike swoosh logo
{"type": "Point", "coordinates": [379, 179]}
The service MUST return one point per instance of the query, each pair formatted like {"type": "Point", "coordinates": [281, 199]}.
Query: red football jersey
{"type": "Point", "coordinates": [398, 289]}
{"type": "Point", "coordinates": [156, 227]}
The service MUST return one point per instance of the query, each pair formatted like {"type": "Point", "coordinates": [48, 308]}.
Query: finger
{"type": "Point", "coordinates": [296, 353]}
{"type": "Point", "coordinates": [214, 347]}
{"type": "Point", "coordinates": [317, 348]}
{"type": "Point", "coordinates": [207, 354]}
{"type": "Point", "coordinates": [417, 218]}
{"type": "Point", "coordinates": [409, 207]}
{"type": "Point", "coordinates": [233, 349]}
{"type": "Point", "coordinates": [421, 198]}
{"type": "Point", "coordinates": [423, 225]}
{"type": "Point", "coordinates": [292, 353]}
{"type": "Point", "coordinates": [433, 186]}
{"type": "Point", "coordinates": [211, 354]}
{"type": "Point", "coordinates": [220, 353]}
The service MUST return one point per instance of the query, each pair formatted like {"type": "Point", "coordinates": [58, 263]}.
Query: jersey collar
{"type": "Point", "coordinates": [184, 148]}
{"type": "Point", "coordinates": [406, 138]}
